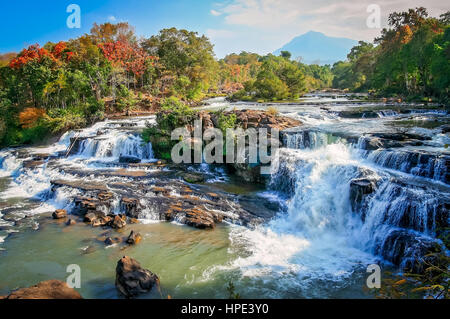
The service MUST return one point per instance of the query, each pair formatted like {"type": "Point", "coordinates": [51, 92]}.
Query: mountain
{"type": "Point", "coordinates": [317, 48]}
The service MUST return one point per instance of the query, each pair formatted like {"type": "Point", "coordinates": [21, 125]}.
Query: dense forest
{"type": "Point", "coordinates": [68, 85]}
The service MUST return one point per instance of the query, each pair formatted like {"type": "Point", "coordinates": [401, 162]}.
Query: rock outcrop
{"type": "Point", "coordinates": [51, 289]}
{"type": "Point", "coordinates": [59, 214]}
{"type": "Point", "coordinates": [132, 279]}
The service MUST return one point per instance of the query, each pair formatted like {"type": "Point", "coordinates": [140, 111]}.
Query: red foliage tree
{"type": "Point", "coordinates": [35, 52]}
{"type": "Point", "coordinates": [124, 54]}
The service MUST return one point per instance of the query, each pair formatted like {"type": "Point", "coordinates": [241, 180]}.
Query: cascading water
{"type": "Point", "coordinates": [395, 218]}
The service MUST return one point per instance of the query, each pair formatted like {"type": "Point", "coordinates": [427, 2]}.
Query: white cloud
{"type": "Point", "coordinates": [219, 34]}
{"type": "Point", "coordinates": [275, 22]}
{"type": "Point", "coordinates": [112, 19]}
{"type": "Point", "coordinates": [215, 13]}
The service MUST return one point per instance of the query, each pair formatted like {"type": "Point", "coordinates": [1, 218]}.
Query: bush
{"type": "Point", "coordinates": [174, 114]}
{"type": "Point", "coordinates": [272, 111]}
{"type": "Point", "coordinates": [225, 121]}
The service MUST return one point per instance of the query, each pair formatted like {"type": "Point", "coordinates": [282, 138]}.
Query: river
{"type": "Point", "coordinates": [339, 205]}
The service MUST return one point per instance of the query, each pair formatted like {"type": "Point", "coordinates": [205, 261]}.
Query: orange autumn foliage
{"type": "Point", "coordinates": [29, 116]}
{"type": "Point", "coordinates": [35, 52]}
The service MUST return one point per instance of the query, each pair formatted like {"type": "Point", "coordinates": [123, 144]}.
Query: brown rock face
{"type": "Point", "coordinates": [51, 289]}
{"type": "Point", "coordinates": [59, 214]}
{"type": "Point", "coordinates": [132, 279]}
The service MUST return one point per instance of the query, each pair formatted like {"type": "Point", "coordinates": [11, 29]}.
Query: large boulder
{"type": "Point", "coordinates": [132, 279]}
{"type": "Point", "coordinates": [51, 289]}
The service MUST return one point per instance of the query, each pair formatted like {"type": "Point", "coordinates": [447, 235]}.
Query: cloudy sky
{"type": "Point", "coordinates": [233, 25]}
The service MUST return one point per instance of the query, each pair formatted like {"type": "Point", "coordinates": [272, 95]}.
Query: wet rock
{"type": "Point", "coordinates": [71, 222]}
{"type": "Point", "coordinates": [134, 238]}
{"type": "Point", "coordinates": [250, 173]}
{"type": "Point", "coordinates": [193, 178]}
{"type": "Point", "coordinates": [101, 221]}
{"type": "Point", "coordinates": [90, 217]}
{"type": "Point", "coordinates": [85, 186]}
{"type": "Point", "coordinates": [88, 250]}
{"type": "Point", "coordinates": [129, 206]}
{"type": "Point", "coordinates": [105, 196]}
{"type": "Point", "coordinates": [75, 145]}
{"type": "Point", "coordinates": [112, 241]}
{"type": "Point", "coordinates": [132, 279]}
{"type": "Point", "coordinates": [59, 214]}
{"type": "Point", "coordinates": [407, 249]}
{"type": "Point", "coordinates": [201, 219]}
{"type": "Point", "coordinates": [445, 128]}
{"type": "Point", "coordinates": [32, 164]}
{"type": "Point", "coordinates": [51, 289]}
{"type": "Point", "coordinates": [359, 189]}
{"type": "Point", "coordinates": [118, 222]}
{"type": "Point", "coordinates": [129, 159]}
{"type": "Point", "coordinates": [133, 220]}
{"type": "Point", "coordinates": [358, 114]}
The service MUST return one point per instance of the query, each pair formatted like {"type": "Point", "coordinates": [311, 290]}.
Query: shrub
{"type": "Point", "coordinates": [272, 111]}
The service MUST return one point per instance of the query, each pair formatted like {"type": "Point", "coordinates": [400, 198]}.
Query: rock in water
{"type": "Point", "coordinates": [118, 222]}
{"type": "Point", "coordinates": [129, 159]}
{"type": "Point", "coordinates": [59, 214]}
{"type": "Point", "coordinates": [71, 222]}
{"type": "Point", "coordinates": [51, 289]}
{"type": "Point", "coordinates": [134, 238]}
{"type": "Point", "coordinates": [193, 178]}
{"type": "Point", "coordinates": [132, 279]}
{"type": "Point", "coordinates": [112, 241]}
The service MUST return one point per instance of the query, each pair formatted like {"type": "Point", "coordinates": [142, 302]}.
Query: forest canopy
{"type": "Point", "coordinates": [70, 84]}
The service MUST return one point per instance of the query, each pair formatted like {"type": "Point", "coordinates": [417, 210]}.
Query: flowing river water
{"type": "Point", "coordinates": [341, 204]}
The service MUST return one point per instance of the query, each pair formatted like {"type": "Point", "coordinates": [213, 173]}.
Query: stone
{"type": "Point", "coordinates": [134, 238]}
{"type": "Point", "coordinates": [90, 217]}
{"type": "Point", "coordinates": [71, 222]}
{"type": "Point", "coordinates": [112, 241]}
{"type": "Point", "coordinates": [102, 221]}
{"type": "Point", "coordinates": [59, 214]}
{"type": "Point", "coordinates": [129, 159]}
{"type": "Point", "coordinates": [118, 222]}
{"type": "Point", "coordinates": [359, 189]}
{"type": "Point", "coordinates": [132, 279]}
{"type": "Point", "coordinates": [51, 289]}
{"type": "Point", "coordinates": [129, 206]}
{"type": "Point", "coordinates": [193, 178]}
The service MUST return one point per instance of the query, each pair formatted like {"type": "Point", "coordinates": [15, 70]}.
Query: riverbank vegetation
{"type": "Point", "coordinates": [410, 59]}
{"type": "Point", "coordinates": [68, 85]}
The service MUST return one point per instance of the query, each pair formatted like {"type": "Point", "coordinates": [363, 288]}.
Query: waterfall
{"type": "Point", "coordinates": [114, 145]}
{"type": "Point", "coordinates": [308, 139]}
{"type": "Point", "coordinates": [416, 163]}
{"type": "Point", "coordinates": [394, 218]}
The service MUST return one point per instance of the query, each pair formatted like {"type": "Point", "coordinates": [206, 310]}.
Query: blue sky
{"type": "Point", "coordinates": [232, 25]}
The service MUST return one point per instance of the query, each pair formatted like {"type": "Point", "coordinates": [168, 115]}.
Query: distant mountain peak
{"type": "Point", "coordinates": [317, 47]}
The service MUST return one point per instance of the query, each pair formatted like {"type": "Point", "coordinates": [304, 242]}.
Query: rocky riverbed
{"type": "Point", "coordinates": [350, 190]}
